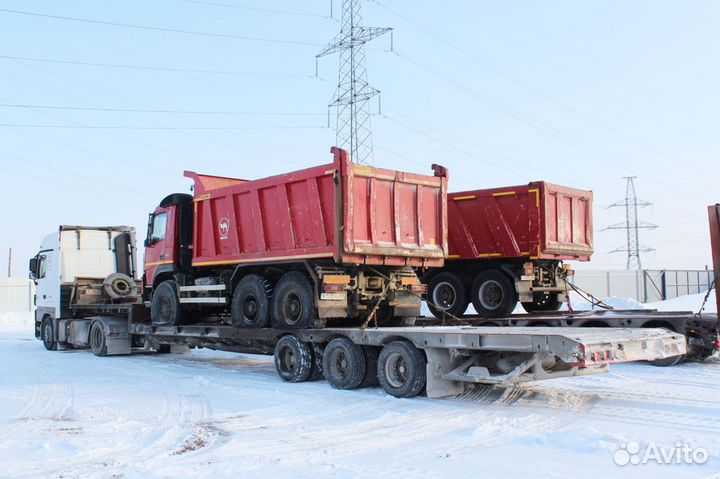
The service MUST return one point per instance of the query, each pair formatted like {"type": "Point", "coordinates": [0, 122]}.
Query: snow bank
{"type": "Point", "coordinates": [691, 302]}
{"type": "Point", "coordinates": [17, 322]}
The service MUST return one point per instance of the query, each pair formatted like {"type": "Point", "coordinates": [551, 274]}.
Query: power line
{"type": "Point", "coordinates": [160, 29]}
{"type": "Point", "coordinates": [254, 9]}
{"type": "Point", "coordinates": [122, 127]}
{"type": "Point", "coordinates": [156, 68]}
{"type": "Point", "coordinates": [115, 135]}
{"type": "Point", "coordinates": [74, 187]}
{"type": "Point", "coordinates": [139, 110]}
{"type": "Point", "coordinates": [539, 125]}
{"type": "Point", "coordinates": [528, 87]}
{"type": "Point", "coordinates": [75, 174]}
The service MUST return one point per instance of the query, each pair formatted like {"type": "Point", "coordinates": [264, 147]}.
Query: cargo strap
{"type": "Point", "coordinates": [584, 295]}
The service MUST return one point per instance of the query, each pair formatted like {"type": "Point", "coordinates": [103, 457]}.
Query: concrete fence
{"type": "Point", "coordinates": [644, 286]}
{"type": "Point", "coordinates": [16, 295]}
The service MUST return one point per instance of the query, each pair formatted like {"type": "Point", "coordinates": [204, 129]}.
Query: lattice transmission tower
{"type": "Point", "coordinates": [353, 91]}
{"type": "Point", "coordinates": [632, 225]}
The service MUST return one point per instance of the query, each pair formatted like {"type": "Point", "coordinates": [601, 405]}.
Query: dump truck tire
{"type": "Point", "coordinates": [251, 303]}
{"type": "Point", "coordinates": [165, 309]}
{"type": "Point", "coordinates": [293, 302]}
{"type": "Point", "coordinates": [447, 293]}
{"type": "Point", "coordinates": [493, 294]}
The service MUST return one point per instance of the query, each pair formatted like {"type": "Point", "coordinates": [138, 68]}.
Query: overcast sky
{"type": "Point", "coordinates": [579, 93]}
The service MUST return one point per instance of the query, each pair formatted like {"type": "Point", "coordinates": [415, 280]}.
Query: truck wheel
{"type": "Point", "coordinates": [98, 342]}
{"type": "Point", "coordinates": [293, 359]}
{"type": "Point", "coordinates": [447, 294]}
{"type": "Point", "coordinates": [165, 307]}
{"type": "Point", "coordinates": [493, 294]}
{"type": "Point", "coordinates": [344, 364]}
{"type": "Point", "coordinates": [543, 302]}
{"type": "Point", "coordinates": [251, 303]}
{"type": "Point", "coordinates": [402, 369]}
{"type": "Point", "coordinates": [48, 335]}
{"type": "Point", "coordinates": [293, 302]}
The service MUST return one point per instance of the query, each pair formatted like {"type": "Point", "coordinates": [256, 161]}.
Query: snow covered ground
{"type": "Point", "coordinates": [210, 414]}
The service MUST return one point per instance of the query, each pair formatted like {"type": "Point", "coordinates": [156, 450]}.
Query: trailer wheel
{"type": "Point", "coordinates": [344, 364]}
{"type": "Point", "coordinates": [542, 302]}
{"type": "Point", "coordinates": [98, 342]}
{"type": "Point", "coordinates": [293, 302]}
{"type": "Point", "coordinates": [447, 294]}
{"type": "Point", "coordinates": [48, 335]}
{"type": "Point", "coordinates": [251, 303]}
{"type": "Point", "coordinates": [316, 373]}
{"type": "Point", "coordinates": [293, 359]}
{"type": "Point", "coordinates": [165, 307]}
{"type": "Point", "coordinates": [493, 294]}
{"type": "Point", "coordinates": [402, 369]}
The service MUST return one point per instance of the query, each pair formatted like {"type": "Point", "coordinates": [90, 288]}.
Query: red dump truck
{"type": "Point", "coordinates": [336, 241]}
{"type": "Point", "coordinates": [507, 244]}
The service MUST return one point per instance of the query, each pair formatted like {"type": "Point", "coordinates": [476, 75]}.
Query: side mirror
{"type": "Point", "coordinates": [33, 267]}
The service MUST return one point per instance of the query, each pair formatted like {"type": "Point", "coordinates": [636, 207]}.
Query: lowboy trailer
{"type": "Point", "coordinates": [441, 360]}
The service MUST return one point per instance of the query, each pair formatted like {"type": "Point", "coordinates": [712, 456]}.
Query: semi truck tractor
{"type": "Point", "coordinates": [334, 242]}
{"type": "Point", "coordinates": [508, 245]}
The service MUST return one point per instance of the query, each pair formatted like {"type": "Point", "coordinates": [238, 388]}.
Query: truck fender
{"type": "Point", "coordinates": [117, 335]}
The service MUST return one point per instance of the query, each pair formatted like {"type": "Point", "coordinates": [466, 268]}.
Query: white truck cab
{"type": "Point", "coordinates": [82, 265]}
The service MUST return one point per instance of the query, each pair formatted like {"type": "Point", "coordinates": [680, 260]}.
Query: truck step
{"type": "Point", "coordinates": [201, 288]}
{"type": "Point", "coordinates": [203, 300]}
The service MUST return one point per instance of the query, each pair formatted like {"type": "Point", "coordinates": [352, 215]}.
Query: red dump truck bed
{"type": "Point", "coordinates": [538, 220]}
{"type": "Point", "coordinates": [353, 214]}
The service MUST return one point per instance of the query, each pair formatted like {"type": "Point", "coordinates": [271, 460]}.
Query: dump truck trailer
{"type": "Point", "coordinates": [507, 245]}
{"type": "Point", "coordinates": [95, 304]}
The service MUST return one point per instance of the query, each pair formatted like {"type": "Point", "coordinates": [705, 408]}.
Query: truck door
{"type": "Point", "coordinates": [160, 246]}
{"type": "Point", "coordinates": [47, 277]}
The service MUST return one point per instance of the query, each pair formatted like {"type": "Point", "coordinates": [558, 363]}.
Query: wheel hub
{"type": "Point", "coordinates": [491, 294]}
{"type": "Point", "coordinates": [293, 308]}
{"type": "Point", "coordinates": [444, 295]}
